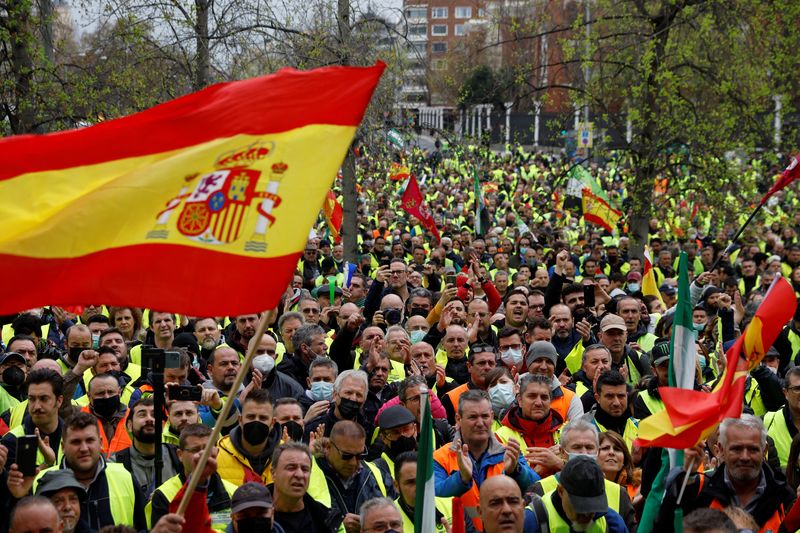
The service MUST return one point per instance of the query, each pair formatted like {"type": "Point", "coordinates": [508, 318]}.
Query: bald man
{"type": "Point", "coordinates": [35, 514]}
{"type": "Point", "coordinates": [502, 508]}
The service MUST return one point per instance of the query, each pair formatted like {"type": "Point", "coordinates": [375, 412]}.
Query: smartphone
{"type": "Point", "coordinates": [27, 449]}
{"type": "Point", "coordinates": [588, 296]}
{"type": "Point", "coordinates": [185, 393]}
{"type": "Point", "coordinates": [172, 359]}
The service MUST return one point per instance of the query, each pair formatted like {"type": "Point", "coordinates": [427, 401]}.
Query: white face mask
{"type": "Point", "coordinates": [511, 357]}
{"type": "Point", "coordinates": [264, 363]}
{"type": "Point", "coordinates": [772, 369]}
{"type": "Point", "coordinates": [502, 395]}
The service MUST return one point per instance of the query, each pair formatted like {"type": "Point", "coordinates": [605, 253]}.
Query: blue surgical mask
{"type": "Point", "coordinates": [502, 395]}
{"type": "Point", "coordinates": [702, 362]}
{"type": "Point", "coordinates": [523, 250]}
{"type": "Point", "coordinates": [699, 326]}
{"type": "Point", "coordinates": [512, 357]}
{"type": "Point", "coordinates": [633, 287]}
{"type": "Point", "coordinates": [96, 341]}
{"type": "Point", "coordinates": [416, 336]}
{"type": "Point", "coordinates": [321, 390]}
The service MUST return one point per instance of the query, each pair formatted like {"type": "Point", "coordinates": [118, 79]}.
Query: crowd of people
{"type": "Point", "coordinates": [531, 339]}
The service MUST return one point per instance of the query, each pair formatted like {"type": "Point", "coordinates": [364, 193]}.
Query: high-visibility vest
{"type": "Point", "coordinates": [647, 341]}
{"type": "Point", "coordinates": [318, 485]}
{"type": "Point", "coordinates": [121, 495]}
{"type": "Point", "coordinates": [443, 505]}
{"type": "Point", "coordinates": [556, 524]}
{"type": "Point", "coordinates": [574, 358]}
{"type": "Point", "coordinates": [505, 433]}
{"type": "Point", "coordinates": [455, 394]}
{"type": "Point", "coordinates": [630, 433]}
{"type": "Point", "coordinates": [119, 441]}
{"type": "Point", "coordinates": [654, 405]}
{"type": "Point", "coordinates": [771, 526]}
{"type": "Point", "coordinates": [170, 488]}
{"type": "Point", "coordinates": [613, 490]}
{"type": "Point", "coordinates": [778, 429]}
{"type": "Point", "coordinates": [562, 403]}
{"type": "Point", "coordinates": [794, 341]}
{"type": "Point", "coordinates": [235, 468]}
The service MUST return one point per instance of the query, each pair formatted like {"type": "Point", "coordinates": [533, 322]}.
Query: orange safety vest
{"type": "Point", "coordinates": [561, 404]}
{"type": "Point", "coordinates": [121, 439]}
{"type": "Point", "coordinates": [446, 457]}
{"type": "Point", "coordinates": [455, 394]}
{"type": "Point", "coordinates": [772, 525]}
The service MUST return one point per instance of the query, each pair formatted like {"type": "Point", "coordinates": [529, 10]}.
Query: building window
{"type": "Point", "coordinates": [418, 30]}
{"type": "Point", "coordinates": [439, 12]}
{"type": "Point", "coordinates": [439, 48]}
{"type": "Point", "coordinates": [439, 30]}
{"type": "Point", "coordinates": [481, 12]}
{"type": "Point", "coordinates": [463, 12]}
{"type": "Point", "coordinates": [416, 13]}
{"type": "Point", "coordinates": [459, 29]}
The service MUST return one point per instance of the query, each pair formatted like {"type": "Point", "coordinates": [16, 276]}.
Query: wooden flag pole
{"type": "Point", "coordinates": [226, 409]}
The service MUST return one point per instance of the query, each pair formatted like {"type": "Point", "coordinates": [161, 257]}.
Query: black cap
{"type": "Point", "coordinates": [56, 480]}
{"type": "Point", "coordinates": [660, 353]}
{"type": "Point", "coordinates": [583, 480]}
{"type": "Point", "coordinates": [8, 356]}
{"type": "Point", "coordinates": [251, 495]}
{"type": "Point", "coordinates": [394, 417]}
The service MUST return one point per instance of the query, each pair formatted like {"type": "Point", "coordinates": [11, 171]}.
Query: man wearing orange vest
{"type": "Point", "coordinates": [104, 403]}
{"type": "Point", "coordinates": [744, 479]}
{"type": "Point", "coordinates": [460, 468]}
{"type": "Point", "coordinates": [541, 359]}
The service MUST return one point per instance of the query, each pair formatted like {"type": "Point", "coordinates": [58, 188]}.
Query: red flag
{"type": "Point", "coordinates": [333, 216]}
{"type": "Point", "coordinates": [398, 172]}
{"type": "Point", "coordinates": [691, 416]}
{"type": "Point", "coordinates": [458, 525]}
{"type": "Point", "coordinates": [414, 205]}
{"type": "Point", "coordinates": [791, 173]}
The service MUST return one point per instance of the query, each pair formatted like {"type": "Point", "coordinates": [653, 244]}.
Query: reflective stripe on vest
{"type": "Point", "coordinates": [613, 490]}
{"type": "Point", "coordinates": [119, 441]}
{"type": "Point", "coordinates": [558, 525]}
{"type": "Point", "coordinates": [775, 422]}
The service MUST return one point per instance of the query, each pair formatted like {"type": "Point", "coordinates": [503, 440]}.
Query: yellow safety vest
{"type": "Point", "coordinates": [775, 422]}
{"type": "Point", "coordinates": [443, 505]}
{"type": "Point", "coordinates": [613, 490]}
{"type": "Point", "coordinates": [558, 525]}
{"type": "Point", "coordinates": [19, 431]}
{"type": "Point", "coordinates": [574, 358]}
{"type": "Point", "coordinates": [170, 488]}
{"type": "Point", "coordinates": [630, 433]}
{"type": "Point", "coordinates": [654, 405]}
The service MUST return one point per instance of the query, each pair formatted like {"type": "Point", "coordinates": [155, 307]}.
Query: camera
{"type": "Point", "coordinates": [393, 316]}
{"type": "Point", "coordinates": [185, 393]}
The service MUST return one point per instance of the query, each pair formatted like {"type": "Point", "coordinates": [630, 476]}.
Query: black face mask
{"type": "Point", "coordinates": [106, 407]}
{"type": "Point", "coordinates": [294, 430]}
{"type": "Point", "coordinates": [255, 432]}
{"type": "Point", "coordinates": [13, 377]}
{"type": "Point", "coordinates": [258, 524]}
{"type": "Point", "coordinates": [349, 409]}
{"type": "Point", "coordinates": [403, 444]}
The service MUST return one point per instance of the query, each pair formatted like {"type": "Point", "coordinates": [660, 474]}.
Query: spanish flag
{"type": "Point", "coordinates": [334, 216]}
{"type": "Point", "coordinates": [598, 211]}
{"type": "Point", "coordinates": [649, 286]}
{"type": "Point", "coordinates": [691, 416]}
{"type": "Point", "coordinates": [199, 206]}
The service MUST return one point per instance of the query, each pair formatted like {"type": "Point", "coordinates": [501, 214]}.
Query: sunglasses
{"type": "Point", "coordinates": [346, 456]}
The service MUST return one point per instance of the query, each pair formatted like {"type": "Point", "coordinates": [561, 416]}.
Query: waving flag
{"type": "Point", "coordinates": [399, 172]}
{"type": "Point", "coordinates": [332, 210]}
{"type": "Point", "coordinates": [649, 285]}
{"type": "Point", "coordinates": [425, 502]}
{"type": "Point", "coordinates": [791, 173]}
{"type": "Point", "coordinates": [414, 204]}
{"type": "Point", "coordinates": [598, 211]}
{"type": "Point", "coordinates": [218, 185]}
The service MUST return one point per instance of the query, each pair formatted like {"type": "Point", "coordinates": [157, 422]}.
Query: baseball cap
{"type": "Point", "coordinates": [251, 495]}
{"type": "Point", "coordinates": [583, 480]}
{"type": "Point", "coordinates": [660, 353]}
{"type": "Point", "coordinates": [541, 349]}
{"type": "Point", "coordinates": [394, 417]}
{"type": "Point", "coordinates": [634, 276]}
{"type": "Point", "coordinates": [666, 288]}
{"type": "Point", "coordinates": [56, 480]}
{"type": "Point", "coordinates": [612, 321]}
{"type": "Point", "coordinates": [8, 356]}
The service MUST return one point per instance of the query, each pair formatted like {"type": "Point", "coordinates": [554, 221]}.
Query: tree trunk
{"type": "Point", "coordinates": [21, 38]}
{"type": "Point", "coordinates": [201, 75]}
{"type": "Point", "coordinates": [350, 196]}
{"type": "Point", "coordinates": [46, 27]}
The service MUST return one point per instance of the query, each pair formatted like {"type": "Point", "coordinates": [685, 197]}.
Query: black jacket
{"type": "Point", "coordinates": [325, 519]}
{"type": "Point", "coordinates": [295, 368]}
{"type": "Point", "coordinates": [362, 488]}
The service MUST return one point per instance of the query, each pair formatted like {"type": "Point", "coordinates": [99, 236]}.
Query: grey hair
{"type": "Point", "coordinates": [324, 362]}
{"type": "Point", "coordinates": [289, 316]}
{"type": "Point", "coordinates": [593, 347]}
{"type": "Point", "coordinates": [304, 335]}
{"type": "Point", "coordinates": [421, 292]}
{"type": "Point", "coordinates": [394, 328]}
{"type": "Point", "coordinates": [529, 378]}
{"type": "Point", "coordinates": [745, 421]}
{"type": "Point", "coordinates": [370, 505]}
{"type": "Point", "coordinates": [409, 382]}
{"type": "Point", "coordinates": [351, 374]}
{"type": "Point", "coordinates": [582, 423]}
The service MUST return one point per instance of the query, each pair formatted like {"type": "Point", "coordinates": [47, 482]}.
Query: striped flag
{"type": "Point", "coordinates": [425, 503]}
{"type": "Point", "coordinates": [349, 271]}
{"type": "Point", "coordinates": [217, 185]}
{"type": "Point", "coordinates": [649, 285]}
{"type": "Point", "coordinates": [598, 211]}
{"type": "Point", "coordinates": [332, 210]}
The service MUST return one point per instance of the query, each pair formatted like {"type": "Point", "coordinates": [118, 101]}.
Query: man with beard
{"type": "Point", "coordinates": [222, 369]}
{"type": "Point", "coordinates": [179, 415]}
{"type": "Point", "coordinates": [208, 335]}
{"type": "Point", "coordinates": [240, 331]}
{"type": "Point", "coordinates": [516, 310]}
{"type": "Point", "coordinates": [193, 439]}
{"type": "Point", "coordinates": [481, 361]}
{"type": "Point", "coordinates": [569, 338]}
{"type": "Point", "coordinates": [245, 454]}
{"type": "Point", "coordinates": [61, 487]}
{"type": "Point", "coordinates": [139, 458]}
{"type": "Point", "coordinates": [744, 479]}
{"type": "Point", "coordinates": [614, 336]}
{"type": "Point", "coordinates": [349, 395]}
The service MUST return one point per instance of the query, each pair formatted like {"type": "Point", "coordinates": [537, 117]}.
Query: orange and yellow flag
{"type": "Point", "coordinates": [200, 206]}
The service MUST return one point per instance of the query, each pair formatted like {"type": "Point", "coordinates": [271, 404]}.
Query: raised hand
{"type": "Point", "coordinates": [464, 462]}
{"type": "Point", "coordinates": [511, 457]}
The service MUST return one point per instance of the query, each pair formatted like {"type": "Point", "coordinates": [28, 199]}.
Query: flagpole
{"type": "Point", "coordinates": [223, 415]}
{"type": "Point", "coordinates": [735, 238]}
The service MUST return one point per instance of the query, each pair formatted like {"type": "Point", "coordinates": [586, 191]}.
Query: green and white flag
{"type": "Point", "coordinates": [425, 504]}
{"type": "Point", "coordinates": [395, 139]}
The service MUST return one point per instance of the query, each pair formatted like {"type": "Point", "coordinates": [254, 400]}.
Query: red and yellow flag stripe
{"type": "Point", "coordinates": [200, 205]}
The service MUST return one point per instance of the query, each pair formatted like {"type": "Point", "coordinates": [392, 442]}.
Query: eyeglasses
{"type": "Point", "coordinates": [397, 272]}
{"type": "Point", "coordinates": [537, 306]}
{"type": "Point", "coordinates": [795, 389]}
{"type": "Point", "coordinates": [347, 456]}
{"type": "Point", "coordinates": [482, 348]}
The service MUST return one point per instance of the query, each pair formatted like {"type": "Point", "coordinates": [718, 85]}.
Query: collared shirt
{"type": "Point", "coordinates": [760, 489]}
